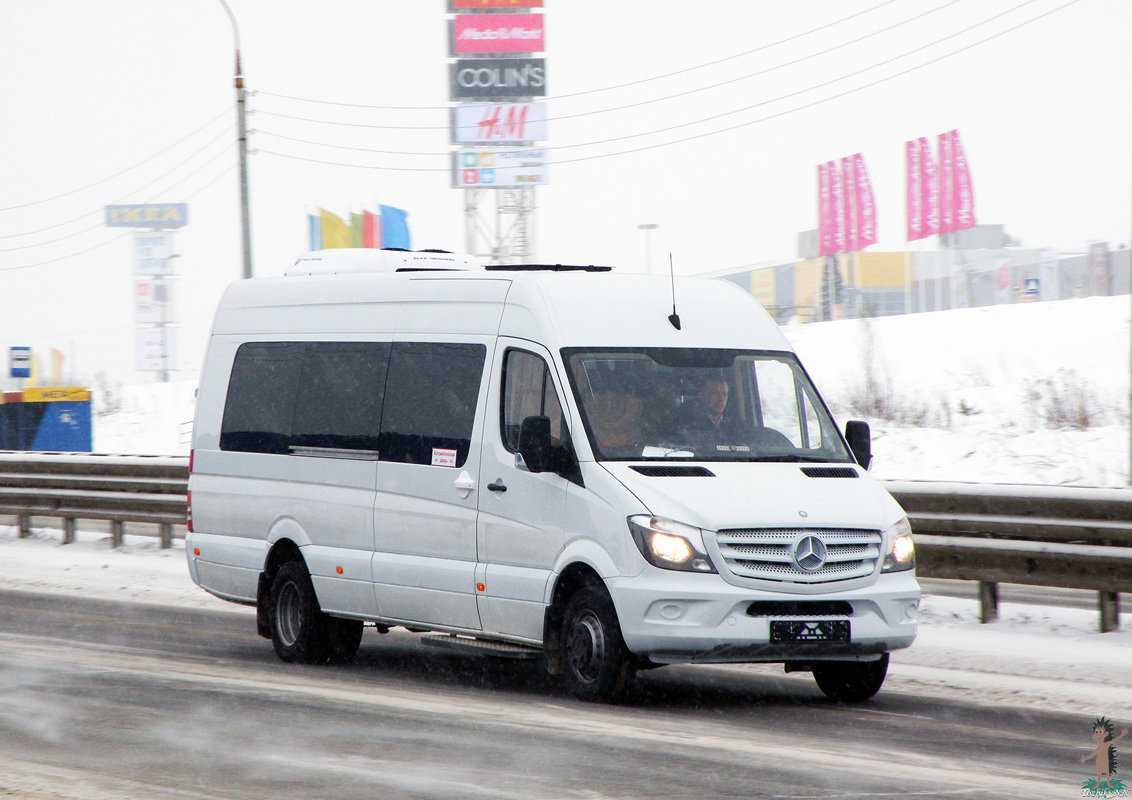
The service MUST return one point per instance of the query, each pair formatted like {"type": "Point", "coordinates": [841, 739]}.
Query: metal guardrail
{"type": "Point", "coordinates": [1065, 536]}
{"type": "Point", "coordinates": [74, 486]}
{"type": "Point", "coordinates": [1060, 536]}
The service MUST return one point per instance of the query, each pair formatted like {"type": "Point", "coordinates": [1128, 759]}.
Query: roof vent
{"type": "Point", "coordinates": [358, 260]}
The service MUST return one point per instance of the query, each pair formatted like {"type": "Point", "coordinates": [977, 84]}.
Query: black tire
{"type": "Point", "coordinates": [299, 629]}
{"type": "Point", "coordinates": [344, 636]}
{"type": "Point", "coordinates": [596, 664]}
{"type": "Point", "coordinates": [851, 681]}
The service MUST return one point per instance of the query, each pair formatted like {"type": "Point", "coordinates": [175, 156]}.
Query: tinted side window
{"type": "Point", "coordinates": [430, 402]}
{"type": "Point", "coordinates": [261, 397]}
{"type": "Point", "coordinates": [528, 390]}
{"type": "Point", "coordinates": [339, 399]}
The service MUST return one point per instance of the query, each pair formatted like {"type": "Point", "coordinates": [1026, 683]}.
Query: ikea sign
{"type": "Point", "coordinates": [148, 215]}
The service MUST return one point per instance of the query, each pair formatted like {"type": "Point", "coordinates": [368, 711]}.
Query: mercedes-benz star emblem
{"type": "Point", "coordinates": [809, 553]}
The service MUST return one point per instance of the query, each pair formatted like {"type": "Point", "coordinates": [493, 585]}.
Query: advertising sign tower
{"type": "Point", "coordinates": [496, 79]}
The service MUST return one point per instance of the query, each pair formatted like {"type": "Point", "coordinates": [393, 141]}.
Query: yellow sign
{"type": "Point", "coordinates": [56, 394]}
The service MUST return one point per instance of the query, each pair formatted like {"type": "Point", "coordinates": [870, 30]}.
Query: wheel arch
{"type": "Point", "coordinates": [283, 551]}
{"type": "Point", "coordinates": [574, 577]}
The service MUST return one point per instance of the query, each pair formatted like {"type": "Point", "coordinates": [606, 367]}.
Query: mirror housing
{"type": "Point", "coordinates": [860, 440]}
{"type": "Point", "coordinates": [535, 446]}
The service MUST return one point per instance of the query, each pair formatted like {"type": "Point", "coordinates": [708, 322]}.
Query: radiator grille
{"type": "Point", "coordinates": [767, 553]}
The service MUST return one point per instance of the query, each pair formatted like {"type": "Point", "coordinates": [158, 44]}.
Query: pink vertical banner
{"type": "Point", "coordinates": [850, 219]}
{"type": "Point", "coordinates": [929, 184]}
{"type": "Point", "coordinates": [946, 183]}
{"type": "Point", "coordinates": [914, 197]}
{"type": "Point", "coordinates": [837, 201]}
{"type": "Point", "coordinates": [826, 223]}
{"type": "Point", "coordinates": [963, 192]}
{"type": "Point", "coordinates": [864, 203]}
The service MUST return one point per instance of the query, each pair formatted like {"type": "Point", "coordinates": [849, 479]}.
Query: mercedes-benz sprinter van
{"type": "Point", "coordinates": [608, 471]}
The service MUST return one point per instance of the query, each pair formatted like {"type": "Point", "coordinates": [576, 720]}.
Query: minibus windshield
{"type": "Point", "coordinates": [702, 405]}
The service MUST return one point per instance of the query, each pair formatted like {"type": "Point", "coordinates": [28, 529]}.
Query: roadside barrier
{"type": "Point", "coordinates": [1059, 536]}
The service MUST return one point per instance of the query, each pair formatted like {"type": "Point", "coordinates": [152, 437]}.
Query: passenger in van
{"type": "Point", "coordinates": [704, 413]}
{"type": "Point", "coordinates": [615, 418]}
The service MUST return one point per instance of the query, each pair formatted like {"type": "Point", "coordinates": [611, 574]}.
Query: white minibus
{"type": "Point", "coordinates": [610, 472]}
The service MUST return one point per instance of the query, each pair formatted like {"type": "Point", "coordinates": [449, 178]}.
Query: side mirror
{"type": "Point", "coordinates": [860, 440]}
{"type": "Point", "coordinates": [534, 444]}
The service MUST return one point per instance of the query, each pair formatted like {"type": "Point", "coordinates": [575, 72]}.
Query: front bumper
{"type": "Point", "coordinates": [672, 617]}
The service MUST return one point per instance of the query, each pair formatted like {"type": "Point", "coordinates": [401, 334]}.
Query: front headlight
{"type": "Point", "coordinates": [669, 544]}
{"type": "Point", "coordinates": [901, 553]}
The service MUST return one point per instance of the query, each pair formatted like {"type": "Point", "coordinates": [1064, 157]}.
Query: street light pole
{"type": "Point", "coordinates": [648, 228]}
{"type": "Point", "coordinates": [242, 145]}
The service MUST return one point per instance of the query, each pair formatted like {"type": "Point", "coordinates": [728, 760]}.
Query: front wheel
{"type": "Point", "coordinates": [597, 665]}
{"type": "Point", "coordinates": [851, 681]}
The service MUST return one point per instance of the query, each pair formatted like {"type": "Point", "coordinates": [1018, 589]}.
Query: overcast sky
{"type": "Point", "coordinates": [732, 105]}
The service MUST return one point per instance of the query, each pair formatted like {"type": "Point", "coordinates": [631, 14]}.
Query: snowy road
{"type": "Point", "coordinates": [121, 679]}
{"type": "Point", "coordinates": [101, 699]}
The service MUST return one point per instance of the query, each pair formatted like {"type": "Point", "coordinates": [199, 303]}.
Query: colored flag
{"type": "Point", "coordinates": [371, 229]}
{"type": "Point", "coordinates": [864, 205]}
{"type": "Point", "coordinates": [395, 228]}
{"type": "Point", "coordinates": [837, 201]}
{"type": "Point", "coordinates": [946, 184]}
{"type": "Point", "coordinates": [335, 231]}
{"type": "Point", "coordinates": [315, 231]}
{"type": "Point", "coordinates": [929, 183]}
{"type": "Point", "coordinates": [825, 212]}
{"type": "Point", "coordinates": [357, 230]}
{"type": "Point", "coordinates": [914, 196]}
{"type": "Point", "coordinates": [963, 193]}
{"type": "Point", "coordinates": [57, 359]}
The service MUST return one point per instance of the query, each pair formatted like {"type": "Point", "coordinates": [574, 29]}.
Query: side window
{"type": "Point", "coordinates": [430, 402]}
{"type": "Point", "coordinates": [261, 397]}
{"type": "Point", "coordinates": [340, 393]}
{"type": "Point", "coordinates": [528, 391]}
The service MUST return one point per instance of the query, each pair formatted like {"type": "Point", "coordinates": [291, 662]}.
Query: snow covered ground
{"type": "Point", "coordinates": [986, 389]}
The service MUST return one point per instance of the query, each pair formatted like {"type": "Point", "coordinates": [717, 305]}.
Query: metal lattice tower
{"type": "Point", "coordinates": [500, 224]}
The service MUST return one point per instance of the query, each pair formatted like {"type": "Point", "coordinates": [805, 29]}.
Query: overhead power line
{"type": "Point", "coordinates": [120, 172]}
{"type": "Point", "coordinates": [684, 71]}
{"type": "Point", "coordinates": [717, 116]}
{"type": "Point", "coordinates": [652, 101]}
{"type": "Point", "coordinates": [121, 199]}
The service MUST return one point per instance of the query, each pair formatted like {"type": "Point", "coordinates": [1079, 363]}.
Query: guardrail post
{"type": "Point", "coordinates": [1109, 603]}
{"type": "Point", "coordinates": [988, 601]}
{"type": "Point", "coordinates": [68, 530]}
{"type": "Point", "coordinates": [166, 529]}
{"type": "Point", "coordinates": [23, 522]}
{"type": "Point", "coordinates": [117, 532]}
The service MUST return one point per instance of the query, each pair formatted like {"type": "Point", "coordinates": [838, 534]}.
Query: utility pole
{"type": "Point", "coordinates": [648, 228]}
{"type": "Point", "coordinates": [242, 144]}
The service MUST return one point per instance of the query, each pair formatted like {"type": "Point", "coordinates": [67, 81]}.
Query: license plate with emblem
{"type": "Point", "coordinates": [826, 630]}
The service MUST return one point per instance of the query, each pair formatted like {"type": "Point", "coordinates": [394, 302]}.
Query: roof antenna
{"type": "Point", "coordinates": [674, 318]}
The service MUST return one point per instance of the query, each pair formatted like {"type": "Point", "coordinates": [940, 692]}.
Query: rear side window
{"type": "Point", "coordinates": [430, 402]}
{"type": "Point", "coordinates": [340, 393]}
{"type": "Point", "coordinates": [260, 408]}
{"type": "Point", "coordinates": [304, 394]}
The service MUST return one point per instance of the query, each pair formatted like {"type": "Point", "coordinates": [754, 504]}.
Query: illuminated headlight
{"type": "Point", "coordinates": [670, 545]}
{"type": "Point", "coordinates": [901, 553]}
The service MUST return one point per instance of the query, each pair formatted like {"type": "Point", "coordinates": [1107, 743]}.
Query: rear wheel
{"type": "Point", "coordinates": [596, 663]}
{"type": "Point", "coordinates": [300, 631]}
{"type": "Point", "coordinates": [851, 681]}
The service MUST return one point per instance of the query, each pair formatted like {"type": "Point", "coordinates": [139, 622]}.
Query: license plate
{"type": "Point", "coordinates": [826, 630]}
